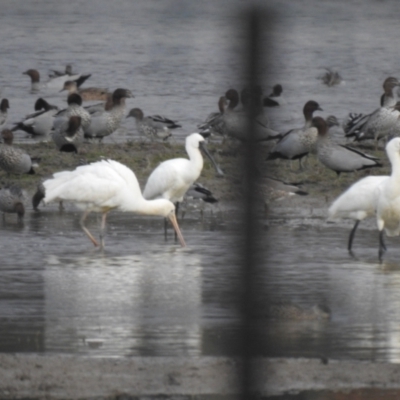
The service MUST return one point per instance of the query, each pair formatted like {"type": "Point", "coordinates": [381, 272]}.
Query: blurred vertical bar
{"type": "Point", "coordinates": [257, 27]}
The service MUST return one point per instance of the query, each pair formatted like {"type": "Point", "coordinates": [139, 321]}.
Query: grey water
{"type": "Point", "coordinates": [147, 296]}
{"type": "Point", "coordinates": [144, 295]}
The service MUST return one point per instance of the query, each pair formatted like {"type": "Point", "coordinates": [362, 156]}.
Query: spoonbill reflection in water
{"type": "Point", "coordinates": [104, 186]}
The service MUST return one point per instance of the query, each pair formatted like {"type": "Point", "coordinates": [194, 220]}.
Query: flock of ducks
{"type": "Point", "coordinates": [97, 120]}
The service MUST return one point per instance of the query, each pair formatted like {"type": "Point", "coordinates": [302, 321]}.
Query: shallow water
{"type": "Point", "coordinates": [144, 296]}
{"type": "Point", "coordinates": [147, 296]}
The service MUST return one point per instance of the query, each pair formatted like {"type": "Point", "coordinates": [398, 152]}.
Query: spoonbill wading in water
{"type": "Point", "coordinates": [388, 200]}
{"type": "Point", "coordinates": [104, 186]}
{"type": "Point", "coordinates": [172, 178]}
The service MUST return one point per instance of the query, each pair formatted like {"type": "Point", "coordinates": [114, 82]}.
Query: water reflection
{"type": "Point", "coordinates": [362, 294]}
{"type": "Point", "coordinates": [132, 303]}
{"type": "Point", "coordinates": [147, 296]}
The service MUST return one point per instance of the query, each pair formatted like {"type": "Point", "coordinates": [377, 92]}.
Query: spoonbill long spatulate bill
{"type": "Point", "coordinates": [104, 186]}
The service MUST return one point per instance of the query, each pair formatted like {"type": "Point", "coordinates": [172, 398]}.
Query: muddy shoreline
{"type": "Point", "coordinates": [71, 377]}
{"type": "Point", "coordinates": [142, 157]}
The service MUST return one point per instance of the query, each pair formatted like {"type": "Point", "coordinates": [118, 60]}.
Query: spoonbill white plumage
{"type": "Point", "coordinates": [172, 178]}
{"type": "Point", "coordinates": [388, 205]}
{"type": "Point", "coordinates": [358, 202]}
{"type": "Point", "coordinates": [104, 186]}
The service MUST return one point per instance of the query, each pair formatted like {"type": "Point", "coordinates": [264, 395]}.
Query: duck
{"type": "Point", "coordinates": [297, 143]}
{"type": "Point", "coordinates": [294, 312]}
{"type": "Point", "coordinates": [87, 94]}
{"type": "Point", "coordinates": [214, 123]}
{"type": "Point", "coordinates": [40, 106]}
{"type": "Point", "coordinates": [331, 77]}
{"type": "Point", "coordinates": [107, 121]}
{"type": "Point", "coordinates": [388, 203]}
{"type": "Point", "coordinates": [337, 157]}
{"type": "Point", "coordinates": [276, 189]}
{"type": "Point", "coordinates": [12, 200]}
{"type": "Point", "coordinates": [100, 107]}
{"type": "Point", "coordinates": [250, 97]}
{"type": "Point", "coordinates": [269, 189]}
{"type": "Point", "coordinates": [12, 159]}
{"type": "Point", "coordinates": [40, 123]}
{"type": "Point", "coordinates": [354, 120]}
{"type": "Point", "coordinates": [275, 99]}
{"type": "Point", "coordinates": [56, 83]}
{"type": "Point", "coordinates": [4, 106]}
{"type": "Point", "coordinates": [68, 71]}
{"type": "Point", "coordinates": [358, 202]}
{"type": "Point", "coordinates": [199, 191]}
{"type": "Point", "coordinates": [380, 122]}
{"type": "Point", "coordinates": [153, 126]}
{"type": "Point", "coordinates": [74, 109]}
{"type": "Point", "coordinates": [66, 134]}
{"type": "Point", "coordinates": [199, 197]}
{"type": "Point", "coordinates": [236, 122]}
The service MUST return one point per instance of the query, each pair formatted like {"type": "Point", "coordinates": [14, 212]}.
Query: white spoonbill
{"type": "Point", "coordinates": [172, 178]}
{"type": "Point", "coordinates": [388, 206]}
{"type": "Point", "coordinates": [358, 202]}
{"type": "Point", "coordinates": [104, 186]}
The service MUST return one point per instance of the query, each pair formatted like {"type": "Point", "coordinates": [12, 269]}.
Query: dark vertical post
{"type": "Point", "coordinates": [255, 23]}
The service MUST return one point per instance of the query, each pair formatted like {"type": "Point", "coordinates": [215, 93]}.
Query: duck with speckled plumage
{"type": "Point", "coordinates": [104, 123]}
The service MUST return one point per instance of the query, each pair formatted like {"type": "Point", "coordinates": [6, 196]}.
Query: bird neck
{"type": "Point", "coordinates": [149, 207]}
{"type": "Point", "coordinates": [195, 157]}
{"type": "Point", "coordinates": [395, 161]}
{"type": "Point", "coordinates": [73, 88]}
{"type": "Point", "coordinates": [35, 86]}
